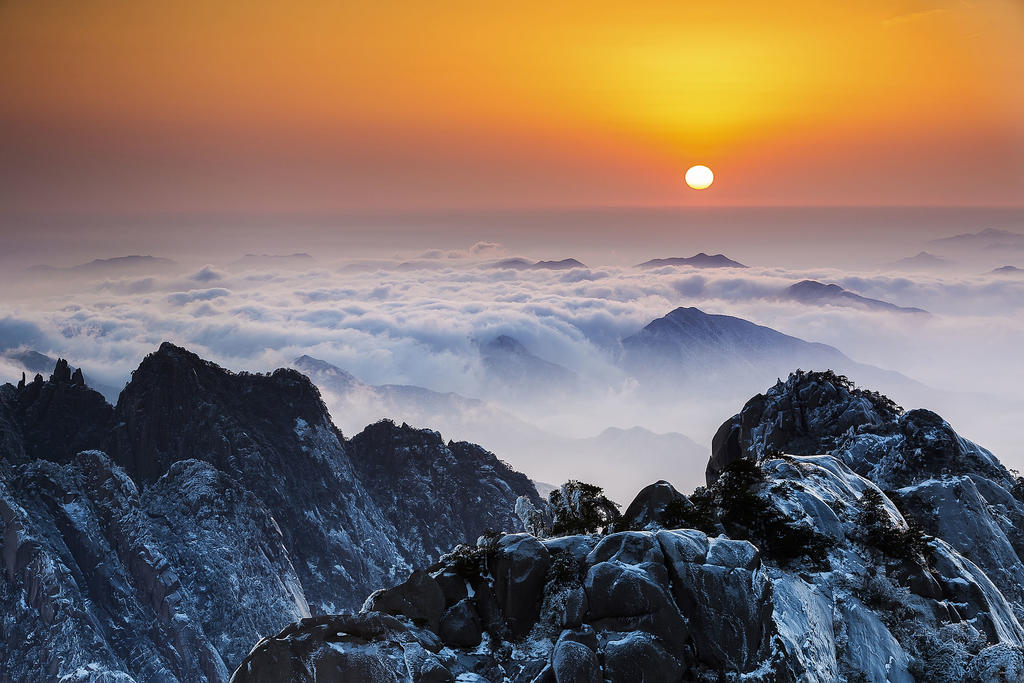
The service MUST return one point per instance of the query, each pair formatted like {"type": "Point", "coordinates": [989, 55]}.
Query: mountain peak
{"type": "Point", "coordinates": [699, 260]}
{"type": "Point", "coordinates": [504, 343]}
{"type": "Point", "coordinates": [185, 390]}
{"type": "Point", "coordinates": [564, 264]}
{"type": "Point", "coordinates": [315, 366]}
{"type": "Point", "coordinates": [814, 285]}
{"type": "Point", "coordinates": [170, 359]}
{"type": "Point", "coordinates": [814, 292]}
{"type": "Point", "coordinates": [814, 413]}
{"type": "Point", "coordinates": [922, 259]}
{"type": "Point", "coordinates": [61, 371]}
{"type": "Point", "coordinates": [687, 312]}
{"type": "Point", "coordinates": [697, 323]}
{"type": "Point", "coordinates": [506, 359]}
{"type": "Point", "coordinates": [169, 349]}
{"type": "Point", "coordinates": [229, 506]}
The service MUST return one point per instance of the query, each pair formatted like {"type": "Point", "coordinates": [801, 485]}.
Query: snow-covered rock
{"type": "Point", "coordinates": [229, 506]}
{"type": "Point", "coordinates": [860, 543]}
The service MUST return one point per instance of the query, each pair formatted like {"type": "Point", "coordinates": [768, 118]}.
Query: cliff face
{"type": "Point", "coordinates": [839, 539]}
{"type": "Point", "coordinates": [434, 495]}
{"type": "Point", "coordinates": [273, 434]}
{"type": "Point", "coordinates": [99, 577]}
{"type": "Point", "coordinates": [226, 506]}
{"type": "Point", "coordinates": [178, 406]}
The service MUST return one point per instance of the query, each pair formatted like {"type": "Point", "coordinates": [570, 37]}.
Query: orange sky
{"type": "Point", "coordinates": [121, 105]}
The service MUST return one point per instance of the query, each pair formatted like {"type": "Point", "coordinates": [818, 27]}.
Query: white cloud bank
{"type": "Point", "coordinates": [387, 321]}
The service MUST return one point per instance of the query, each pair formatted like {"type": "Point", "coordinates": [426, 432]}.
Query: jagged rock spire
{"type": "Point", "coordinates": [61, 372]}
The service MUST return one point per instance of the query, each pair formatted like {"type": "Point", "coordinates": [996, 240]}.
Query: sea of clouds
{"type": "Point", "coordinates": [420, 319]}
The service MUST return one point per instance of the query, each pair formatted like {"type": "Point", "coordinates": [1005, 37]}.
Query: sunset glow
{"type": "Point", "coordinates": [207, 107]}
{"type": "Point", "coordinates": [659, 340]}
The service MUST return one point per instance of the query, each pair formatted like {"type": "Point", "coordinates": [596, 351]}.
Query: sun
{"type": "Point", "coordinates": [699, 177]}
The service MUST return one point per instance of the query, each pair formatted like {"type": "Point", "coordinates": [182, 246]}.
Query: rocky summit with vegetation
{"type": "Point", "coordinates": [839, 538]}
{"type": "Point", "coordinates": [166, 538]}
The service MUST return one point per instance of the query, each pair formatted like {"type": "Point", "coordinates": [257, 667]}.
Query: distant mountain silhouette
{"type": "Point", "coordinates": [814, 292]}
{"type": "Point", "coordinates": [921, 261]}
{"type": "Point", "coordinates": [700, 260]}
{"type": "Point", "coordinates": [31, 361]}
{"type": "Point", "coordinates": [111, 265]}
{"type": "Point", "coordinates": [723, 352]}
{"type": "Point", "coordinates": [509, 362]}
{"type": "Point", "coordinates": [543, 453]}
{"type": "Point", "coordinates": [689, 341]}
{"type": "Point", "coordinates": [990, 238]}
{"type": "Point", "coordinates": [526, 264]}
{"type": "Point", "coordinates": [446, 411]}
{"type": "Point", "coordinates": [1007, 270]}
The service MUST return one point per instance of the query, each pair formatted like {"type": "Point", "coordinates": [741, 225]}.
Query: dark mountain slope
{"type": "Point", "coordinates": [57, 418]}
{"type": "Point", "coordinates": [435, 494]}
{"type": "Point", "coordinates": [230, 506]}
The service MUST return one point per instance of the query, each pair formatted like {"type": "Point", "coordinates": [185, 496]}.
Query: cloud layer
{"type": "Point", "coordinates": [420, 319]}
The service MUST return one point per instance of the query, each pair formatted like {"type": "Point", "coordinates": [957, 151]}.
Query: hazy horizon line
{"type": "Point", "coordinates": [497, 210]}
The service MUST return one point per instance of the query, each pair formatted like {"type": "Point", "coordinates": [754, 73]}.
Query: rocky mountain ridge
{"type": "Point", "coordinates": [838, 538]}
{"type": "Point", "coordinates": [159, 538]}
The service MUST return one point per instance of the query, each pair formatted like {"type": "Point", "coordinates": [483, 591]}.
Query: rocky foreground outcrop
{"type": "Point", "coordinates": [157, 540]}
{"type": "Point", "coordinates": [838, 539]}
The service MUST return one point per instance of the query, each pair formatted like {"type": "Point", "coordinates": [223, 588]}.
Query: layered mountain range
{"type": "Point", "coordinates": [541, 452]}
{"type": "Point", "coordinates": [210, 514]}
{"type": "Point", "coordinates": [709, 362]}
{"type": "Point", "coordinates": [159, 538]}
